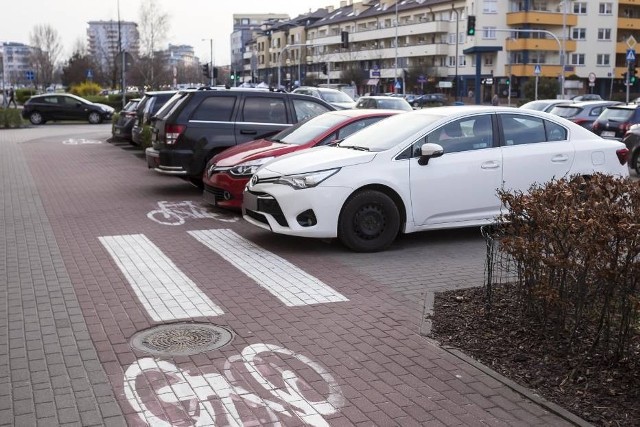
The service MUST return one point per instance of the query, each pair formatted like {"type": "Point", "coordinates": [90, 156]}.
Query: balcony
{"type": "Point", "coordinates": [527, 70]}
{"type": "Point", "coordinates": [542, 18]}
{"type": "Point", "coordinates": [629, 2]}
{"type": "Point", "coordinates": [628, 24]}
{"type": "Point", "coordinates": [539, 44]}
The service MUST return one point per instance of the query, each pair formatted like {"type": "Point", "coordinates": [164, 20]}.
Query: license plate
{"type": "Point", "coordinates": [154, 137]}
{"type": "Point", "coordinates": [209, 197]}
{"type": "Point", "coordinates": [607, 133]}
{"type": "Point", "coordinates": [250, 201]}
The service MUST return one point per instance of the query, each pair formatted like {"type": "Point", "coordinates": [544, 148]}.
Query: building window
{"type": "Point", "coordinates": [488, 60]}
{"type": "Point", "coordinates": [451, 61]}
{"type": "Point", "coordinates": [452, 38]}
{"type": "Point", "coordinates": [605, 9]}
{"type": "Point", "coordinates": [602, 59]}
{"type": "Point", "coordinates": [579, 34]}
{"type": "Point", "coordinates": [580, 8]}
{"type": "Point", "coordinates": [490, 6]}
{"type": "Point", "coordinates": [604, 34]}
{"type": "Point", "coordinates": [489, 33]}
{"type": "Point", "coordinates": [538, 58]}
{"type": "Point", "coordinates": [577, 59]}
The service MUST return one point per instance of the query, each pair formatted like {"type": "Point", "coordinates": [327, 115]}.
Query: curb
{"type": "Point", "coordinates": [527, 393]}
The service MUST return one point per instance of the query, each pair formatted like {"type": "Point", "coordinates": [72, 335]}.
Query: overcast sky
{"type": "Point", "coordinates": [190, 20]}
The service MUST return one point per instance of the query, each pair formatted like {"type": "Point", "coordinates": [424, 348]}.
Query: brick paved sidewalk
{"type": "Point", "coordinates": [70, 311]}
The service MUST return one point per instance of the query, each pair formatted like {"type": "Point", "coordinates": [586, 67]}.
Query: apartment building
{"type": "Point", "coordinates": [106, 38]}
{"type": "Point", "coordinates": [405, 45]}
{"type": "Point", "coordinates": [15, 60]}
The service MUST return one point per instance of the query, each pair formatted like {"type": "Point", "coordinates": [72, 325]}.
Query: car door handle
{"type": "Point", "coordinates": [248, 132]}
{"type": "Point", "coordinates": [490, 165]}
{"type": "Point", "coordinates": [560, 158]}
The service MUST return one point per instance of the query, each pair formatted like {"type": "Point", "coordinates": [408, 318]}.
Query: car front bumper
{"type": "Point", "coordinates": [312, 212]}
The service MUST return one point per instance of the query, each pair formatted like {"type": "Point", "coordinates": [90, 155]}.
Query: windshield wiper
{"type": "Point", "coordinates": [355, 147]}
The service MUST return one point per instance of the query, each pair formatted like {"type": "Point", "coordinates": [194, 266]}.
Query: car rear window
{"type": "Point", "coordinates": [617, 114]}
{"type": "Point", "coordinates": [172, 105]}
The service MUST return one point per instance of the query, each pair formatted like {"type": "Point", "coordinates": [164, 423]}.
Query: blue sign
{"type": "Point", "coordinates": [30, 75]}
{"type": "Point", "coordinates": [375, 73]}
{"type": "Point", "coordinates": [89, 74]}
{"type": "Point", "coordinates": [398, 85]}
{"type": "Point", "coordinates": [422, 78]}
{"type": "Point", "coordinates": [537, 70]}
{"type": "Point", "coordinates": [631, 55]}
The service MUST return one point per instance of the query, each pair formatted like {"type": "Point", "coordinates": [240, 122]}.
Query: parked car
{"type": "Point", "coordinates": [544, 104]}
{"type": "Point", "coordinates": [587, 97]}
{"type": "Point", "coordinates": [196, 125]}
{"type": "Point", "coordinates": [149, 105]}
{"type": "Point", "coordinates": [632, 141]}
{"type": "Point", "coordinates": [427, 169]}
{"type": "Point", "coordinates": [124, 125]}
{"type": "Point", "coordinates": [615, 121]}
{"type": "Point", "coordinates": [384, 102]}
{"type": "Point", "coordinates": [429, 100]}
{"type": "Point", "coordinates": [335, 97]}
{"type": "Point", "coordinates": [64, 106]}
{"type": "Point", "coordinates": [227, 173]}
{"type": "Point", "coordinates": [583, 113]}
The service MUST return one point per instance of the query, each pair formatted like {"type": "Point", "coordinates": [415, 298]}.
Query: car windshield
{"type": "Point", "coordinates": [566, 111]}
{"type": "Point", "coordinates": [616, 114]}
{"type": "Point", "coordinates": [335, 96]}
{"type": "Point", "coordinates": [307, 130]}
{"type": "Point", "coordinates": [391, 103]}
{"type": "Point", "coordinates": [390, 132]}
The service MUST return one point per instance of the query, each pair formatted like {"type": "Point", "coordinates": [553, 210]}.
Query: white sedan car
{"type": "Point", "coordinates": [427, 169]}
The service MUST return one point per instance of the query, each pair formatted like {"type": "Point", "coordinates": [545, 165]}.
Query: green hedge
{"type": "Point", "coordinates": [23, 94]}
{"type": "Point", "coordinates": [10, 118]}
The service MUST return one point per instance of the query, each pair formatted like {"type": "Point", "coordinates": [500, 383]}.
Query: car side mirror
{"type": "Point", "coordinates": [429, 151]}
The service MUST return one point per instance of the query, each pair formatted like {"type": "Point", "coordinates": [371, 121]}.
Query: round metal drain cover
{"type": "Point", "coordinates": [181, 339]}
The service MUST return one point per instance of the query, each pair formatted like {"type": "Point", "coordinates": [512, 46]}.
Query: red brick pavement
{"type": "Point", "coordinates": [364, 357]}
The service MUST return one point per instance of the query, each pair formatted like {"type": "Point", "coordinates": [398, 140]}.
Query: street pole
{"type": "Point", "coordinates": [395, 70]}
{"type": "Point", "coordinates": [211, 66]}
{"type": "Point", "coordinates": [455, 59]}
{"type": "Point", "coordinates": [124, 87]}
{"type": "Point", "coordinates": [564, 47]}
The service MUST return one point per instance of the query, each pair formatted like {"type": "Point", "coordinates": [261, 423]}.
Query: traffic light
{"type": "Point", "coordinates": [471, 25]}
{"type": "Point", "coordinates": [631, 70]}
{"type": "Point", "coordinates": [633, 78]}
{"type": "Point", "coordinates": [205, 70]}
{"type": "Point", "coordinates": [215, 72]}
{"type": "Point", "coordinates": [344, 37]}
{"type": "Point", "coordinates": [508, 81]}
{"type": "Point", "coordinates": [324, 69]}
{"type": "Point", "coordinates": [624, 77]}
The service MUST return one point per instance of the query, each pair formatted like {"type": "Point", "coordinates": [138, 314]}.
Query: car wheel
{"type": "Point", "coordinates": [36, 118]}
{"type": "Point", "coordinates": [369, 222]}
{"type": "Point", "coordinates": [95, 118]}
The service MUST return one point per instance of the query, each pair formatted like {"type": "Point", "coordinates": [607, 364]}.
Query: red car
{"type": "Point", "coordinates": [227, 173]}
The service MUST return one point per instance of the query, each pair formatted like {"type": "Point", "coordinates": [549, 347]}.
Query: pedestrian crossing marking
{"type": "Point", "coordinates": [285, 281]}
{"type": "Point", "coordinates": [165, 292]}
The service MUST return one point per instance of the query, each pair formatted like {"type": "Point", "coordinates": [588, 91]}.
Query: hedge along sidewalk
{"type": "Point", "coordinates": [11, 118]}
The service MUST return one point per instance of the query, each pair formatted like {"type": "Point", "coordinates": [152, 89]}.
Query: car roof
{"type": "Point", "coordinates": [364, 112]}
{"type": "Point", "coordinates": [160, 92]}
{"type": "Point", "coordinates": [378, 97]}
{"type": "Point", "coordinates": [588, 103]}
{"type": "Point", "coordinates": [626, 106]}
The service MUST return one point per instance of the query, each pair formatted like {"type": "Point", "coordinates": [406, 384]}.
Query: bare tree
{"type": "Point", "coordinates": [45, 42]}
{"type": "Point", "coordinates": [153, 28]}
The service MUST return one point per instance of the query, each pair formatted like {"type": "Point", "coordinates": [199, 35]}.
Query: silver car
{"type": "Point", "coordinates": [583, 113]}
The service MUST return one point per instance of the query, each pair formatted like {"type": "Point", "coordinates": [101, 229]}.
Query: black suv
{"type": "Point", "coordinates": [149, 105]}
{"type": "Point", "coordinates": [616, 120]}
{"type": "Point", "coordinates": [197, 124]}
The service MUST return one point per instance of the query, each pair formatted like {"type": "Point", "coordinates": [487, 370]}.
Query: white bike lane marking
{"type": "Point", "coordinates": [259, 386]}
{"type": "Point", "coordinates": [175, 213]}
{"type": "Point", "coordinates": [291, 285]}
{"type": "Point", "coordinates": [81, 141]}
{"type": "Point", "coordinates": [164, 290]}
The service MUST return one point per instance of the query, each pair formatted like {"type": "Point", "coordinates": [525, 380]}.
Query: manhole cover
{"type": "Point", "coordinates": [181, 339]}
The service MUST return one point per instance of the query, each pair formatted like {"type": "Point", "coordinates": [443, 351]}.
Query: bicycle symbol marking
{"type": "Point", "coordinates": [81, 141]}
{"type": "Point", "coordinates": [164, 395]}
{"type": "Point", "coordinates": [175, 213]}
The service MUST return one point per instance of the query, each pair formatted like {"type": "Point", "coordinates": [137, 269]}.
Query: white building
{"type": "Point", "coordinates": [106, 38]}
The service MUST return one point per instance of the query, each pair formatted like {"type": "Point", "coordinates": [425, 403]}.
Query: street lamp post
{"type": "Point", "coordinates": [395, 70]}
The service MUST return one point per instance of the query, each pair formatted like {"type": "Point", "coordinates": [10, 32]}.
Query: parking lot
{"type": "Point", "coordinates": [97, 249]}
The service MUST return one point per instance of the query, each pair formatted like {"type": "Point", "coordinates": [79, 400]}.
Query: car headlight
{"type": "Point", "coordinates": [306, 180]}
{"type": "Point", "coordinates": [247, 169]}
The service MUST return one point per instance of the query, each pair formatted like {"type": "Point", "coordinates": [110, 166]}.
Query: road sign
{"type": "Point", "coordinates": [375, 73]}
{"type": "Point", "coordinates": [537, 70]}
{"type": "Point", "coordinates": [422, 78]}
{"type": "Point", "coordinates": [631, 42]}
{"type": "Point", "coordinates": [592, 77]}
{"type": "Point", "coordinates": [398, 86]}
{"type": "Point", "coordinates": [30, 75]}
{"type": "Point", "coordinates": [631, 55]}
{"type": "Point", "coordinates": [89, 74]}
